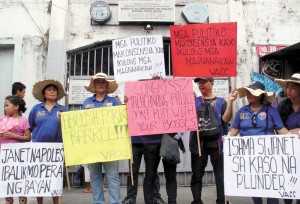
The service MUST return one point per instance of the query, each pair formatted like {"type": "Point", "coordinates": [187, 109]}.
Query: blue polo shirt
{"type": "Point", "coordinates": [92, 102]}
{"type": "Point", "coordinates": [293, 120]}
{"type": "Point", "coordinates": [43, 124]}
{"type": "Point", "coordinates": [244, 121]}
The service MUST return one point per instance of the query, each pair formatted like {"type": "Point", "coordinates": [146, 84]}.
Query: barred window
{"type": "Point", "coordinates": [98, 57]}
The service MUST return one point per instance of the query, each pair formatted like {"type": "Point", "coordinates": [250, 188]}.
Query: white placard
{"type": "Point", "coordinates": [138, 57]}
{"type": "Point", "coordinates": [146, 11]}
{"type": "Point", "coordinates": [31, 169]}
{"type": "Point", "coordinates": [262, 166]}
{"type": "Point", "coordinates": [77, 92]}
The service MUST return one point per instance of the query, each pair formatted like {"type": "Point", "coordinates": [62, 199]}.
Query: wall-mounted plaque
{"type": "Point", "coordinates": [146, 11]}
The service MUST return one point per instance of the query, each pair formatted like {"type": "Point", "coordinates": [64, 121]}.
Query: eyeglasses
{"type": "Point", "coordinates": [254, 121]}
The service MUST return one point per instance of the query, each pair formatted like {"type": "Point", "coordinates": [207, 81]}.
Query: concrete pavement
{"type": "Point", "coordinates": [184, 196]}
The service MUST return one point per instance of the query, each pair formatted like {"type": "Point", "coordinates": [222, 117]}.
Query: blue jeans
{"type": "Point", "coordinates": [113, 181]}
{"type": "Point", "coordinates": [258, 200]}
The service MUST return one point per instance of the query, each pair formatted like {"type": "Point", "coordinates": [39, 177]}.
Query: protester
{"type": "Point", "coordinates": [210, 147]}
{"type": "Point", "coordinates": [14, 128]}
{"type": "Point", "coordinates": [87, 179]}
{"type": "Point", "coordinates": [137, 144]}
{"type": "Point", "coordinates": [259, 117]}
{"type": "Point", "coordinates": [44, 118]}
{"type": "Point", "coordinates": [18, 89]}
{"type": "Point", "coordinates": [152, 159]}
{"type": "Point", "coordinates": [100, 85]}
{"type": "Point", "coordinates": [79, 176]}
{"type": "Point", "coordinates": [151, 150]}
{"type": "Point", "coordinates": [289, 109]}
{"type": "Point", "coordinates": [137, 152]}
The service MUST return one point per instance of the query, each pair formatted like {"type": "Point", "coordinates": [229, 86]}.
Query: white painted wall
{"type": "Point", "coordinates": [24, 25]}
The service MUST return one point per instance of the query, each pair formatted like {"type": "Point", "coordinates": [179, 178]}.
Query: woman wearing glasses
{"type": "Point", "coordinates": [259, 117]}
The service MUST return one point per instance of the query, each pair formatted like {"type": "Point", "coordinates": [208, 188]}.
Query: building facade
{"type": "Point", "coordinates": [58, 39]}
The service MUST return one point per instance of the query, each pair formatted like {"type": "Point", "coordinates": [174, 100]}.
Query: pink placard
{"type": "Point", "coordinates": [160, 106]}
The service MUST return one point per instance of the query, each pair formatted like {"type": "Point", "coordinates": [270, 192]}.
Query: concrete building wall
{"type": "Point", "coordinates": [24, 25]}
{"type": "Point", "coordinates": [28, 24]}
{"type": "Point", "coordinates": [42, 31]}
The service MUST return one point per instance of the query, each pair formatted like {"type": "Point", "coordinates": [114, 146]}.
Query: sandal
{"type": "Point", "coordinates": [87, 191]}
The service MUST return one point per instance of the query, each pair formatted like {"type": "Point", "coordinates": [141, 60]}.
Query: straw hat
{"type": "Point", "coordinates": [39, 87]}
{"type": "Point", "coordinates": [256, 88]}
{"type": "Point", "coordinates": [294, 79]}
{"type": "Point", "coordinates": [112, 85]}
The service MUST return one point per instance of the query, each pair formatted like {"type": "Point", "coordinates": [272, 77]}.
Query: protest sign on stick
{"type": "Point", "coordinates": [31, 169]}
{"type": "Point", "coordinates": [270, 85]}
{"type": "Point", "coordinates": [262, 166]}
{"type": "Point", "coordinates": [95, 135]}
{"type": "Point", "coordinates": [161, 106]}
{"type": "Point", "coordinates": [138, 57]}
{"type": "Point", "coordinates": [204, 49]}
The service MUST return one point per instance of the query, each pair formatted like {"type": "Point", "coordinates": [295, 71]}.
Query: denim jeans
{"type": "Point", "coordinates": [198, 169]}
{"type": "Point", "coordinates": [152, 159]}
{"type": "Point", "coordinates": [258, 200]}
{"type": "Point", "coordinates": [138, 151]}
{"type": "Point", "coordinates": [113, 181]}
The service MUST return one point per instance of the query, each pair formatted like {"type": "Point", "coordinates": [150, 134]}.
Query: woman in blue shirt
{"type": "Point", "coordinates": [44, 118]}
{"type": "Point", "coordinates": [100, 85]}
{"type": "Point", "coordinates": [259, 117]}
{"type": "Point", "coordinates": [289, 109]}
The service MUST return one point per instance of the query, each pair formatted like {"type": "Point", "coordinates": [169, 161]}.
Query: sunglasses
{"type": "Point", "coordinates": [254, 121]}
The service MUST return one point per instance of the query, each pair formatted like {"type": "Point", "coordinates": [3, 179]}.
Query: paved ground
{"type": "Point", "coordinates": [76, 196]}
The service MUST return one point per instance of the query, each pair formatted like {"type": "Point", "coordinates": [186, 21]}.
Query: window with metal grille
{"type": "Point", "coordinates": [95, 58]}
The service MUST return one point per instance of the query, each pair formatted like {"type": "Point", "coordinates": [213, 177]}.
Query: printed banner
{"type": "Point", "coordinates": [270, 85]}
{"type": "Point", "coordinates": [263, 50]}
{"type": "Point", "coordinates": [161, 106]}
{"type": "Point", "coordinates": [262, 166]}
{"type": "Point", "coordinates": [31, 169]}
{"type": "Point", "coordinates": [95, 135]}
{"type": "Point", "coordinates": [138, 57]}
{"type": "Point", "coordinates": [204, 49]}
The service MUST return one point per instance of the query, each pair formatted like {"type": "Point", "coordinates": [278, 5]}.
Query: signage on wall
{"type": "Point", "coordinates": [271, 68]}
{"type": "Point", "coordinates": [100, 12]}
{"type": "Point", "coordinates": [263, 50]}
{"type": "Point", "coordinates": [146, 11]}
{"type": "Point", "coordinates": [195, 12]}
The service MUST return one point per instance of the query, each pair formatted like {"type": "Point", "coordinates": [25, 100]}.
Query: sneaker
{"type": "Point", "coordinates": [128, 201]}
{"type": "Point", "coordinates": [158, 200]}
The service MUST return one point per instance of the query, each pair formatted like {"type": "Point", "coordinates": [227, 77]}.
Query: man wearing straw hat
{"type": "Point", "coordinates": [199, 155]}
{"type": "Point", "coordinates": [100, 85]}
